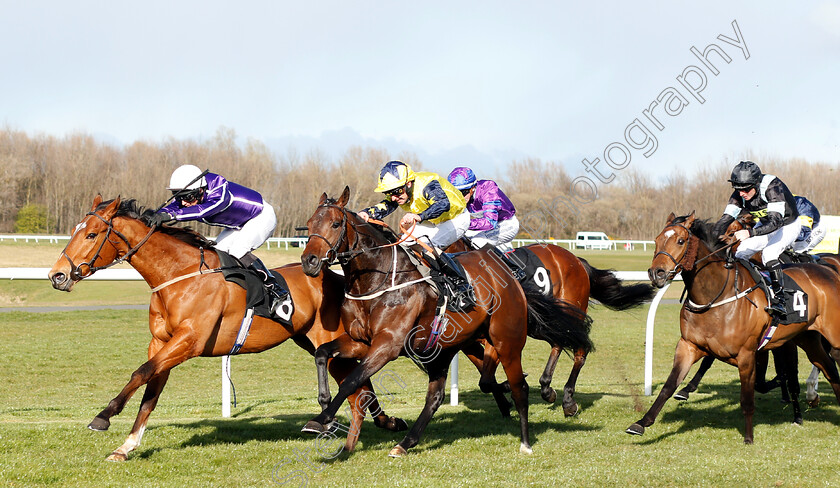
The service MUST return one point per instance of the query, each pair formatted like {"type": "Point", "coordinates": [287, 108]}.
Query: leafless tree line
{"type": "Point", "coordinates": [63, 174]}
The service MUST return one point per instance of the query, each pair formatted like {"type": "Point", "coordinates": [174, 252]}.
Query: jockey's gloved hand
{"type": "Point", "coordinates": [160, 218]}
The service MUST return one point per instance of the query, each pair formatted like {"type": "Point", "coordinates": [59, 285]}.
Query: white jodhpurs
{"type": "Point", "coordinates": [771, 245]}
{"type": "Point", "coordinates": [238, 242]}
{"type": "Point", "coordinates": [443, 234]}
{"type": "Point", "coordinates": [504, 232]}
{"type": "Point", "coordinates": [817, 235]}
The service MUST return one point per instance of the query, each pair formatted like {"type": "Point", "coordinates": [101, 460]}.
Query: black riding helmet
{"type": "Point", "coordinates": [745, 175]}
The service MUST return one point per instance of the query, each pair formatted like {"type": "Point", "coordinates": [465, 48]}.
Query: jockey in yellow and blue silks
{"type": "Point", "coordinates": [432, 203]}
{"type": "Point", "coordinates": [429, 200]}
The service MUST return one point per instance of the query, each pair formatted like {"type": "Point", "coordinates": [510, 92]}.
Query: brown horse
{"type": "Point", "coordinates": [199, 315]}
{"type": "Point", "coordinates": [391, 311]}
{"type": "Point", "coordinates": [724, 315]}
{"type": "Point", "coordinates": [784, 357]}
{"type": "Point", "coordinates": [572, 280]}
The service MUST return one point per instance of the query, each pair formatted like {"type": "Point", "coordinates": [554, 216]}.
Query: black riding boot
{"type": "Point", "coordinates": [777, 284]}
{"type": "Point", "coordinates": [459, 282]}
{"type": "Point", "coordinates": [275, 293]}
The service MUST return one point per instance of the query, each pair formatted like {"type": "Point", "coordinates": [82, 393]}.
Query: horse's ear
{"type": "Point", "coordinates": [671, 218]}
{"type": "Point", "coordinates": [690, 219]}
{"type": "Point", "coordinates": [323, 199]}
{"type": "Point", "coordinates": [111, 209]}
{"type": "Point", "coordinates": [344, 198]}
{"type": "Point", "coordinates": [96, 201]}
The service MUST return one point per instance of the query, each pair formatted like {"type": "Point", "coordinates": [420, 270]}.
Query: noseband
{"type": "Point", "coordinates": [85, 269]}
{"type": "Point", "coordinates": [332, 255]}
{"type": "Point", "coordinates": [678, 265]}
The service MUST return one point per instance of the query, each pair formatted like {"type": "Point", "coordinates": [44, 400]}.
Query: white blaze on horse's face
{"type": "Point", "coordinates": [669, 233]}
{"type": "Point", "coordinates": [79, 226]}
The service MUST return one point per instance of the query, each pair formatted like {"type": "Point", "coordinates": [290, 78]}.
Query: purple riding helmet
{"type": "Point", "coordinates": [462, 178]}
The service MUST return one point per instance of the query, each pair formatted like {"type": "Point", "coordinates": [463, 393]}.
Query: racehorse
{"type": "Point", "coordinates": [194, 313]}
{"type": "Point", "coordinates": [784, 356]}
{"type": "Point", "coordinates": [724, 314]}
{"type": "Point", "coordinates": [572, 280]}
{"type": "Point", "coordinates": [390, 311]}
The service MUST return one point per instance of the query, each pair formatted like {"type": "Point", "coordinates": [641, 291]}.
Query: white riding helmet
{"type": "Point", "coordinates": [183, 175]}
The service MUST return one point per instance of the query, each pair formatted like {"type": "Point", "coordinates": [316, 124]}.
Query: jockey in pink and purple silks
{"type": "Point", "coordinates": [492, 215]}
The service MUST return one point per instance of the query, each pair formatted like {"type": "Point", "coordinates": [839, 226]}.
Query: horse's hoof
{"type": "Point", "coordinates": [798, 421]}
{"type": "Point", "coordinates": [397, 452]}
{"type": "Point", "coordinates": [748, 441]}
{"type": "Point", "coordinates": [313, 427]}
{"type": "Point", "coordinates": [99, 424]}
{"type": "Point", "coordinates": [681, 395]}
{"type": "Point", "coordinates": [525, 449]}
{"type": "Point", "coordinates": [549, 395]}
{"type": "Point", "coordinates": [571, 410]}
{"type": "Point", "coordinates": [635, 429]}
{"type": "Point", "coordinates": [814, 402]}
{"type": "Point", "coordinates": [396, 424]}
{"type": "Point", "coordinates": [117, 457]}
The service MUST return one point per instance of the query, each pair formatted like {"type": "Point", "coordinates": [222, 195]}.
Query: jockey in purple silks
{"type": "Point", "coordinates": [492, 216]}
{"type": "Point", "coordinates": [248, 220]}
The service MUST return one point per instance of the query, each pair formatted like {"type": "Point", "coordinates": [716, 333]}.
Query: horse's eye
{"type": "Point", "coordinates": [336, 224]}
{"type": "Point", "coordinates": [91, 235]}
{"type": "Point", "coordinates": [680, 241]}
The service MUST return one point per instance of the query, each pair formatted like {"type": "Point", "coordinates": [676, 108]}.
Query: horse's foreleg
{"type": "Point", "coordinates": [150, 399]}
{"type": "Point", "coordinates": [746, 370]}
{"type": "Point", "coordinates": [168, 355]}
{"type": "Point", "coordinates": [811, 395]}
{"type": "Point", "coordinates": [692, 385]}
{"type": "Point", "coordinates": [570, 406]}
{"type": "Point", "coordinates": [685, 355]}
{"type": "Point", "coordinates": [379, 353]}
{"type": "Point", "coordinates": [434, 397]}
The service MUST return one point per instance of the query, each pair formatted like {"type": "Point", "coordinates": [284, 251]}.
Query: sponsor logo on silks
{"type": "Point", "coordinates": [759, 213]}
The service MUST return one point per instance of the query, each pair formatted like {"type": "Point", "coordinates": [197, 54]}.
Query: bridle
{"type": "Point", "coordinates": [85, 269]}
{"type": "Point", "coordinates": [678, 265]}
{"type": "Point", "coordinates": [343, 258]}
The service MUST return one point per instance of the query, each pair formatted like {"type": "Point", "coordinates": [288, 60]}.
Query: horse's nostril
{"type": "Point", "coordinates": [312, 259]}
{"type": "Point", "coordinates": [59, 278]}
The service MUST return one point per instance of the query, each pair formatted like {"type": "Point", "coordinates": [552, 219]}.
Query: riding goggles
{"type": "Point", "coordinates": [189, 196]}
{"type": "Point", "coordinates": [395, 192]}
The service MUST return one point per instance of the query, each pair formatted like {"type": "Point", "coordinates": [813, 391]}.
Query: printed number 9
{"type": "Point", "coordinates": [542, 280]}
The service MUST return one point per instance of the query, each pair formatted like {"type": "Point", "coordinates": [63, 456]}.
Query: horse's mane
{"type": "Point", "coordinates": [129, 208]}
{"type": "Point", "coordinates": [703, 230]}
{"type": "Point", "coordinates": [379, 232]}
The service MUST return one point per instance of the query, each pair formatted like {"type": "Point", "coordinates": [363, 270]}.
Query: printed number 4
{"type": "Point", "coordinates": [542, 280]}
{"type": "Point", "coordinates": [799, 303]}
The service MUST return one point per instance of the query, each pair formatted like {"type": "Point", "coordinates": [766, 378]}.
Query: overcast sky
{"type": "Point", "coordinates": [477, 83]}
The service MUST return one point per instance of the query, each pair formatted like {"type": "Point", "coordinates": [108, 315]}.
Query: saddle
{"type": "Point", "coordinates": [796, 300]}
{"type": "Point", "coordinates": [256, 296]}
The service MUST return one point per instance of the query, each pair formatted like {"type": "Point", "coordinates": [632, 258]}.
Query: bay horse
{"type": "Point", "coordinates": [573, 280]}
{"type": "Point", "coordinates": [391, 311]}
{"type": "Point", "coordinates": [724, 316]}
{"type": "Point", "coordinates": [785, 357]}
{"type": "Point", "coordinates": [199, 315]}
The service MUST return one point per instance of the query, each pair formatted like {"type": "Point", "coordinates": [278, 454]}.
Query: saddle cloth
{"type": "Point", "coordinates": [255, 292]}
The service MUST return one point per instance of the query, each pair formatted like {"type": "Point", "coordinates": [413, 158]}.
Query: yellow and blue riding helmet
{"type": "Point", "coordinates": [394, 175]}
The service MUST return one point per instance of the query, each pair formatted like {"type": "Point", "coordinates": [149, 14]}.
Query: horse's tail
{"type": "Point", "coordinates": [608, 290]}
{"type": "Point", "coordinates": [557, 322]}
